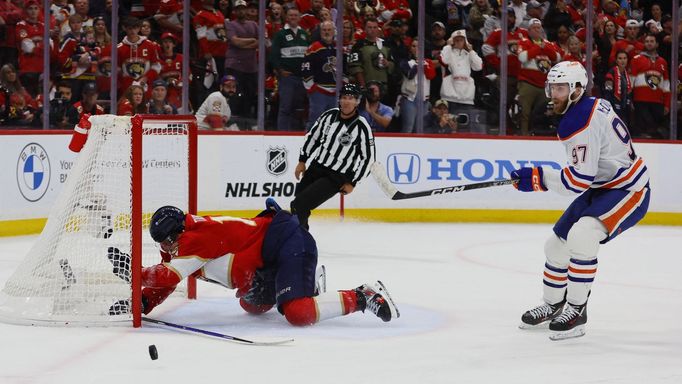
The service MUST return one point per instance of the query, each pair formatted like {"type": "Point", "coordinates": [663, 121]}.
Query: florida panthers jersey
{"type": "Point", "coordinates": [599, 150]}
{"type": "Point", "coordinates": [223, 249]}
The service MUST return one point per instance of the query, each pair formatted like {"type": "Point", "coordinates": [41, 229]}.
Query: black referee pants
{"type": "Point", "coordinates": [318, 185]}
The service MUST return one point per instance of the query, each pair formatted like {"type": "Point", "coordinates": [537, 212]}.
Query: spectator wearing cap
{"type": "Point", "coordinates": [630, 44]}
{"type": "Point", "coordinates": [493, 50]}
{"type": "Point", "coordinates": [651, 89]}
{"type": "Point", "coordinates": [459, 59]}
{"type": "Point", "coordinates": [536, 56]}
{"type": "Point", "coordinates": [30, 42]}
{"type": "Point", "coordinates": [533, 11]}
{"type": "Point", "coordinates": [319, 73]}
{"type": "Point", "coordinates": [240, 59]}
{"type": "Point", "coordinates": [370, 59]}
{"type": "Point", "coordinates": [158, 103]}
{"type": "Point", "coordinates": [171, 68]}
{"type": "Point", "coordinates": [138, 60]}
{"type": "Point", "coordinates": [288, 49]}
{"type": "Point", "coordinates": [408, 102]}
{"type": "Point", "coordinates": [438, 120]}
{"type": "Point", "coordinates": [88, 103]}
{"type": "Point", "coordinates": [214, 113]}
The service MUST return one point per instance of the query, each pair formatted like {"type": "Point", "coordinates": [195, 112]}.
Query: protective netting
{"type": "Point", "coordinates": [66, 278]}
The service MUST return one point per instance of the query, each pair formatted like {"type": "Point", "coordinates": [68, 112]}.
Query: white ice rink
{"type": "Point", "coordinates": [460, 288]}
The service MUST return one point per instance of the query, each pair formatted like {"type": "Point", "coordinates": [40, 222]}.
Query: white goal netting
{"type": "Point", "coordinates": [66, 278]}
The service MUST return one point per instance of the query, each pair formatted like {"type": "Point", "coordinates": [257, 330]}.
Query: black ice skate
{"type": "Point", "coordinates": [376, 298]}
{"type": "Point", "coordinates": [539, 315]}
{"type": "Point", "coordinates": [570, 324]}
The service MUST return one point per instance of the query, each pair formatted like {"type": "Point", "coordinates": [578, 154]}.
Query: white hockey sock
{"type": "Point", "coordinates": [330, 305]}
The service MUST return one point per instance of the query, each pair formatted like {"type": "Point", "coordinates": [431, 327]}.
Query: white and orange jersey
{"type": "Point", "coordinates": [599, 151]}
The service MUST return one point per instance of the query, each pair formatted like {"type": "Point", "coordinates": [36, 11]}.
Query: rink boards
{"type": "Point", "coordinates": [237, 172]}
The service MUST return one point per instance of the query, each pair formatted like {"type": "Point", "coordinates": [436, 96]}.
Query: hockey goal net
{"type": "Point", "coordinates": [128, 168]}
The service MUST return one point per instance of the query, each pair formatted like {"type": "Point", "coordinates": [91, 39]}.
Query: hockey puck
{"type": "Point", "coordinates": [153, 353]}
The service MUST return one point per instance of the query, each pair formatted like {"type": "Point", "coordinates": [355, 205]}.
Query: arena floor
{"type": "Point", "coordinates": [460, 289]}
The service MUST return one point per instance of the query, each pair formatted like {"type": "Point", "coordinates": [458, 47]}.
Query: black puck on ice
{"type": "Point", "coordinates": [153, 353]}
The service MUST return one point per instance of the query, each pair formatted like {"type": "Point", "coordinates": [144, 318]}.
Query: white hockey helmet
{"type": "Point", "coordinates": [567, 72]}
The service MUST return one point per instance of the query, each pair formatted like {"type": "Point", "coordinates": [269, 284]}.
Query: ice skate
{"type": "Point", "coordinates": [570, 324]}
{"type": "Point", "coordinates": [540, 315]}
{"type": "Point", "coordinates": [376, 298]}
{"type": "Point", "coordinates": [320, 280]}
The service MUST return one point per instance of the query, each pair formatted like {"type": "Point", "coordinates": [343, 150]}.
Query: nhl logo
{"type": "Point", "coordinates": [345, 138]}
{"type": "Point", "coordinates": [33, 172]}
{"type": "Point", "coordinates": [276, 160]}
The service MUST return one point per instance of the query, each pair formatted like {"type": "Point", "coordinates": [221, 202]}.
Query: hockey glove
{"type": "Point", "coordinates": [121, 262]}
{"type": "Point", "coordinates": [262, 290]}
{"type": "Point", "coordinates": [528, 179]}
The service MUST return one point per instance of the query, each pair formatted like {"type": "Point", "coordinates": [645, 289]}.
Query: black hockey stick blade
{"type": "Point", "coordinates": [204, 332]}
{"type": "Point", "coordinates": [391, 191]}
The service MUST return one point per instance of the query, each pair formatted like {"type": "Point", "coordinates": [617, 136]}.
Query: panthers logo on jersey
{"type": "Point", "coordinates": [134, 69]}
{"type": "Point", "coordinates": [330, 65]}
{"type": "Point", "coordinates": [653, 79]}
{"type": "Point", "coordinates": [544, 65]}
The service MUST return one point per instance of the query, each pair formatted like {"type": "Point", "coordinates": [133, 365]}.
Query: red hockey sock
{"type": "Point", "coordinates": [350, 301]}
{"type": "Point", "coordinates": [301, 311]}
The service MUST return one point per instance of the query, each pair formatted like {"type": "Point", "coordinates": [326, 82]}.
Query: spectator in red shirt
{"type": "Point", "coordinates": [651, 94]}
{"type": "Point", "coordinates": [30, 41]}
{"type": "Point", "coordinates": [537, 56]}
{"type": "Point", "coordinates": [171, 68]}
{"type": "Point", "coordinates": [629, 44]}
{"type": "Point", "coordinates": [88, 103]}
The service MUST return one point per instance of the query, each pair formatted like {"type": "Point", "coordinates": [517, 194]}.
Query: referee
{"type": "Point", "coordinates": [340, 146]}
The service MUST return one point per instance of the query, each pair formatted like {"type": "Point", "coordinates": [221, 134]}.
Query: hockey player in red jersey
{"type": "Point", "coordinates": [270, 260]}
{"type": "Point", "coordinates": [612, 186]}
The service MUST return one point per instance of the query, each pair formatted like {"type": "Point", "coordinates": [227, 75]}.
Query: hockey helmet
{"type": "Point", "coordinates": [567, 72]}
{"type": "Point", "coordinates": [167, 223]}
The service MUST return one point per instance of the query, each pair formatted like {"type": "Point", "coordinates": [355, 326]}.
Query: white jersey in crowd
{"type": "Point", "coordinates": [599, 151]}
{"type": "Point", "coordinates": [215, 104]}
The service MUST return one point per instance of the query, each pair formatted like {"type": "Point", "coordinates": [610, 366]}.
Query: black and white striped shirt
{"type": "Point", "coordinates": [343, 145]}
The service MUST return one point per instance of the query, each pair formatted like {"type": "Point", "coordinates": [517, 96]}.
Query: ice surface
{"type": "Point", "coordinates": [460, 288]}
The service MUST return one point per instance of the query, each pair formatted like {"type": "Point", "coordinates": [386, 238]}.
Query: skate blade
{"type": "Point", "coordinates": [571, 334]}
{"type": "Point", "coordinates": [395, 313]}
{"type": "Point", "coordinates": [321, 281]}
{"type": "Point", "coordinates": [528, 327]}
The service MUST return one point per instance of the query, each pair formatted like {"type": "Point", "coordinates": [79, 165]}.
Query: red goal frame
{"type": "Point", "coordinates": [137, 122]}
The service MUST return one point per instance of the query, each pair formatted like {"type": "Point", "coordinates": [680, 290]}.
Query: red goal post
{"type": "Point", "coordinates": [138, 130]}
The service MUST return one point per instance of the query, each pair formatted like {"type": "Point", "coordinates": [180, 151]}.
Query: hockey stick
{"type": "Point", "coordinates": [391, 191]}
{"type": "Point", "coordinates": [215, 334]}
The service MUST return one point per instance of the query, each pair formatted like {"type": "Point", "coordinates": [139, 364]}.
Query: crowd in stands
{"type": "Point", "coordinates": [631, 58]}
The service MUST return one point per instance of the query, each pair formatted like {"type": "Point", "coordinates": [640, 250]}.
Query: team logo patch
{"type": "Point", "coordinates": [653, 80]}
{"type": "Point", "coordinates": [33, 172]}
{"type": "Point", "coordinates": [276, 160]}
{"type": "Point", "coordinates": [544, 65]}
{"type": "Point", "coordinates": [345, 138]}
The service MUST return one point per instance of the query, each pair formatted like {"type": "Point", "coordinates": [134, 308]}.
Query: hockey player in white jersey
{"type": "Point", "coordinates": [612, 186]}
